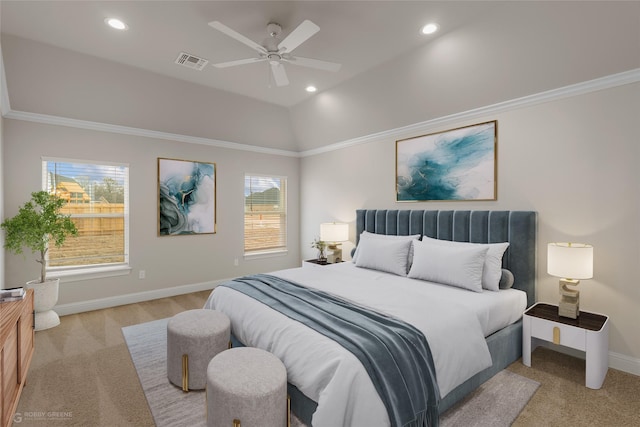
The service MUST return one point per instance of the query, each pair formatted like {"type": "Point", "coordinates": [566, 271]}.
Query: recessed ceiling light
{"type": "Point", "coordinates": [115, 23]}
{"type": "Point", "coordinates": [430, 28]}
{"type": "Point", "coordinates": [311, 88]}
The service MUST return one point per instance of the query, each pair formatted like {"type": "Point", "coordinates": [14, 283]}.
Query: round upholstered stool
{"type": "Point", "coordinates": [246, 387]}
{"type": "Point", "coordinates": [194, 337]}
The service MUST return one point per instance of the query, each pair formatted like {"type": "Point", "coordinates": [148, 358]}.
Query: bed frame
{"type": "Point", "coordinates": [516, 227]}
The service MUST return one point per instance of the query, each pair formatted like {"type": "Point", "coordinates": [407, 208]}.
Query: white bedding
{"type": "Point", "coordinates": [454, 321]}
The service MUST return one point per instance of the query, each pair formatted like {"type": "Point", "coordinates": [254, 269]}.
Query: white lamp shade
{"type": "Point", "coordinates": [570, 260]}
{"type": "Point", "coordinates": [334, 232]}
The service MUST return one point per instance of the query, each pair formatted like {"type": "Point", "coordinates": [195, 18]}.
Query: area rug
{"type": "Point", "coordinates": [496, 403]}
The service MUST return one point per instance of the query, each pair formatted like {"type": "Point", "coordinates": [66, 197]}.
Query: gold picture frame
{"type": "Point", "coordinates": [454, 165]}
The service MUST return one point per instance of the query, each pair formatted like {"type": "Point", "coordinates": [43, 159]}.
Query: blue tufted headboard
{"type": "Point", "coordinates": [516, 227]}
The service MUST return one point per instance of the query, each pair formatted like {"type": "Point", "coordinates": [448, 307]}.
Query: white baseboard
{"type": "Point", "coordinates": [616, 360]}
{"type": "Point", "coordinates": [97, 304]}
{"type": "Point", "coordinates": [624, 363]}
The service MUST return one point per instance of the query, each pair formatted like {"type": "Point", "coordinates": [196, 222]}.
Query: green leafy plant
{"type": "Point", "coordinates": [37, 224]}
{"type": "Point", "coordinates": [321, 246]}
{"type": "Point", "coordinates": [318, 244]}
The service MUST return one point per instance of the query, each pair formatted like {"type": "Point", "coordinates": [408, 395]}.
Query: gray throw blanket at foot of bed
{"type": "Point", "coordinates": [396, 355]}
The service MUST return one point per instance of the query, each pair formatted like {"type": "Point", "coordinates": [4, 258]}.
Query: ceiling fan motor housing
{"type": "Point", "coordinates": [271, 43]}
{"type": "Point", "coordinates": [274, 58]}
{"type": "Point", "coordinates": [274, 29]}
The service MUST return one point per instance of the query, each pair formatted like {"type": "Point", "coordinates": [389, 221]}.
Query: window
{"type": "Point", "coordinates": [265, 214]}
{"type": "Point", "coordinates": [97, 196]}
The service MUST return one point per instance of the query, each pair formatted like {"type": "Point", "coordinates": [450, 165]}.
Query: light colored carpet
{"type": "Point", "coordinates": [496, 403]}
{"type": "Point", "coordinates": [83, 368]}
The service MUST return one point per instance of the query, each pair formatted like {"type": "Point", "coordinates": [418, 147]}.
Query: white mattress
{"type": "Point", "coordinates": [494, 310]}
{"type": "Point", "coordinates": [453, 320]}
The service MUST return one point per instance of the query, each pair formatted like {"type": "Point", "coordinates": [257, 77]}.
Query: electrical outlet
{"type": "Point", "coordinates": [235, 262]}
{"type": "Point", "coordinates": [141, 274]}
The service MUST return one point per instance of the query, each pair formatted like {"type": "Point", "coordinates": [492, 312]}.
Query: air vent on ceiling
{"type": "Point", "coordinates": [191, 61]}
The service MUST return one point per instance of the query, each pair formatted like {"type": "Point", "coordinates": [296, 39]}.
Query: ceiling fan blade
{"type": "Point", "coordinates": [298, 36]}
{"type": "Point", "coordinates": [279, 74]}
{"type": "Point", "coordinates": [233, 34]}
{"type": "Point", "coordinates": [314, 63]}
{"type": "Point", "coordinates": [238, 62]}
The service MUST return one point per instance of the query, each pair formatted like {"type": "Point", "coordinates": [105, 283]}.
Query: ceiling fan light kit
{"type": "Point", "coordinates": [277, 51]}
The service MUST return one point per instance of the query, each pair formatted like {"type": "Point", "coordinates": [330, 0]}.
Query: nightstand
{"type": "Point", "coordinates": [588, 333]}
{"type": "Point", "coordinates": [314, 263]}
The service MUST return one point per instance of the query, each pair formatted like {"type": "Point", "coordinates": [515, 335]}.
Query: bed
{"type": "Point", "coordinates": [328, 386]}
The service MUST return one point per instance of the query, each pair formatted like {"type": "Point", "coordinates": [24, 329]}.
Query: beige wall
{"type": "Point", "coordinates": [2, 107]}
{"type": "Point", "coordinates": [574, 161]}
{"type": "Point", "coordinates": [549, 45]}
{"type": "Point", "coordinates": [168, 261]}
{"type": "Point", "coordinates": [108, 95]}
{"type": "Point", "coordinates": [84, 87]}
{"type": "Point", "coordinates": [1, 196]}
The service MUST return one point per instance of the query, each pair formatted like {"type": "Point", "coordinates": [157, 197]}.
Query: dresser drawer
{"type": "Point", "coordinates": [569, 336]}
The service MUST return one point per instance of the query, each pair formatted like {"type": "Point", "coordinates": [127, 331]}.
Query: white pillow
{"type": "Point", "coordinates": [461, 267]}
{"type": "Point", "coordinates": [367, 235]}
{"type": "Point", "coordinates": [492, 263]}
{"type": "Point", "coordinates": [384, 255]}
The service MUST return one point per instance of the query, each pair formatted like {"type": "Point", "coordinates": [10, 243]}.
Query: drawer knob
{"type": "Point", "coordinates": [556, 335]}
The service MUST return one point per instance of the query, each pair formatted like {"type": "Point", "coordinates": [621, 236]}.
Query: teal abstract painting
{"type": "Point", "coordinates": [458, 164]}
{"type": "Point", "coordinates": [186, 197]}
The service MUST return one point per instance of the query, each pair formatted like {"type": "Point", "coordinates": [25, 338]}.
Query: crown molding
{"type": "Point", "coordinates": [126, 130]}
{"type": "Point", "coordinates": [614, 80]}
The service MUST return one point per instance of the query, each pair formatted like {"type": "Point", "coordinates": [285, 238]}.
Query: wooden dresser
{"type": "Point", "coordinates": [16, 350]}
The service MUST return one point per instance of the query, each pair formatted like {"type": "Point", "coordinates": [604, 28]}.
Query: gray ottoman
{"type": "Point", "coordinates": [194, 337]}
{"type": "Point", "coordinates": [246, 387]}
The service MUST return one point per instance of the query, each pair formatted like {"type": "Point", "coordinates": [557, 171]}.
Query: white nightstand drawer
{"type": "Point", "coordinates": [569, 336]}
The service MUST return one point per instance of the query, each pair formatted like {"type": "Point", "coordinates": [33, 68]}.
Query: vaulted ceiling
{"type": "Point", "coordinates": [63, 60]}
{"type": "Point", "coordinates": [359, 35]}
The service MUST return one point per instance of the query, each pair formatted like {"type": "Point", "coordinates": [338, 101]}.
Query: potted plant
{"type": "Point", "coordinates": [321, 246]}
{"type": "Point", "coordinates": [38, 224]}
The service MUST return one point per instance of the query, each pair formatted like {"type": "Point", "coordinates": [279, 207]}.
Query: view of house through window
{"type": "Point", "coordinates": [97, 200]}
{"type": "Point", "coordinates": [265, 213]}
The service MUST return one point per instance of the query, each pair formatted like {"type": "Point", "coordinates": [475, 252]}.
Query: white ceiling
{"type": "Point", "coordinates": [358, 34]}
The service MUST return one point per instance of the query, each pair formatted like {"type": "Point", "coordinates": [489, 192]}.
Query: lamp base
{"type": "Point", "coordinates": [569, 305]}
{"type": "Point", "coordinates": [335, 255]}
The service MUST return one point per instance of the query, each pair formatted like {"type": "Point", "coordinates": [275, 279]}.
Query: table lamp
{"type": "Point", "coordinates": [570, 262]}
{"type": "Point", "coordinates": [333, 233]}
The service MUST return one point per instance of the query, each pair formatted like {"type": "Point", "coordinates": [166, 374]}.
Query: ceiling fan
{"type": "Point", "coordinates": [277, 51]}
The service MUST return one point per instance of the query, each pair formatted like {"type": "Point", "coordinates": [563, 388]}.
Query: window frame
{"type": "Point", "coordinates": [93, 271]}
{"type": "Point", "coordinates": [266, 253]}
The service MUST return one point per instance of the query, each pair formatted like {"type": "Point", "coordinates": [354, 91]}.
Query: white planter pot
{"type": "Point", "coordinates": [45, 297]}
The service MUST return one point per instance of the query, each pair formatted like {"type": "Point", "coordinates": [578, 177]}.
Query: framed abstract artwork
{"type": "Point", "coordinates": [186, 197]}
{"type": "Point", "coordinates": [457, 164]}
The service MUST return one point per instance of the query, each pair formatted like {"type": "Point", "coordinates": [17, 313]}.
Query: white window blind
{"type": "Point", "coordinates": [97, 196]}
{"type": "Point", "coordinates": [265, 213]}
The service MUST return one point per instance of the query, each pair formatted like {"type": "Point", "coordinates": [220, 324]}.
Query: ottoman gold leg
{"type": "Point", "coordinates": [185, 373]}
{"type": "Point", "coordinates": [236, 423]}
{"type": "Point", "coordinates": [288, 411]}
